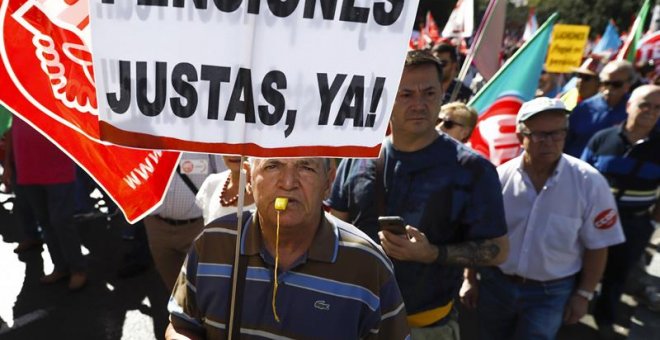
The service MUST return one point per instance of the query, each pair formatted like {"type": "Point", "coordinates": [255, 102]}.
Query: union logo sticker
{"type": "Point", "coordinates": [606, 219]}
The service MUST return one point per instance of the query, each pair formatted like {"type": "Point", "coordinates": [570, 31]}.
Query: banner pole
{"type": "Point", "coordinates": [237, 253]}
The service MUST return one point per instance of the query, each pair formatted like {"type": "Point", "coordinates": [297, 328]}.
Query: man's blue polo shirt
{"type": "Point", "coordinates": [342, 288]}
{"type": "Point", "coordinates": [445, 190]}
{"type": "Point", "coordinates": [632, 170]}
{"type": "Point", "coordinates": [589, 117]}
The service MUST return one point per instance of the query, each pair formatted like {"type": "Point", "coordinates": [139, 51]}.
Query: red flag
{"type": "Point", "coordinates": [48, 81]}
{"type": "Point", "coordinates": [411, 44]}
{"type": "Point", "coordinates": [421, 40]}
{"type": "Point", "coordinates": [432, 28]}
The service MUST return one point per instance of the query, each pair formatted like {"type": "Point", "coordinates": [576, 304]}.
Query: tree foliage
{"type": "Point", "coordinates": [595, 13]}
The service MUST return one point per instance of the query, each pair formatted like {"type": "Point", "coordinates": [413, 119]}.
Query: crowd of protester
{"type": "Point", "coordinates": [526, 243]}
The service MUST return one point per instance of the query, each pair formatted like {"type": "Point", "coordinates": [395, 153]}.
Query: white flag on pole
{"type": "Point", "coordinates": [461, 20]}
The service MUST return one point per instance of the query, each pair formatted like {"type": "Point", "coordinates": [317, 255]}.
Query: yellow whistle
{"type": "Point", "coordinates": [280, 203]}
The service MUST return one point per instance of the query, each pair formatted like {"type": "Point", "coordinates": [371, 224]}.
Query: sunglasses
{"type": "Point", "coordinates": [449, 124]}
{"type": "Point", "coordinates": [615, 84]}
{"type": "Point", "coordinates": [539, 136]}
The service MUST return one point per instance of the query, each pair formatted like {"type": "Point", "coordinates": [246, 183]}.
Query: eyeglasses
{"type": "Point", "coordinates": [615, 84]}
{"type": "Point", "coordinates": [539, 136]}
{"type": "Point", "coordinates": [449, 124]}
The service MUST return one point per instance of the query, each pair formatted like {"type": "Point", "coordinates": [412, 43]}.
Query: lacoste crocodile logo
{"type": "Point", "coordinates": [321, 305]}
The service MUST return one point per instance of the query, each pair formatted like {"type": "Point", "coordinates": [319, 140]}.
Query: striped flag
{"type": "Point", "coordinates": [629, 49]}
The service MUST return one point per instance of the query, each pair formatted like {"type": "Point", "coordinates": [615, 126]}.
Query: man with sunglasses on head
{"type": "Point", "coordinates": [561, 218]}
{"type": "Point", "coordinates": [605, 109]}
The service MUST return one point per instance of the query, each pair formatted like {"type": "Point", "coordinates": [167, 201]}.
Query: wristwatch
{"type": "Point", "coordinates": [585, 294]}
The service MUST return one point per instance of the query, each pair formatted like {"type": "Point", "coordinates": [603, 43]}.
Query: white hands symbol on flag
{"type": "Point", "coordinates": [61, 38]}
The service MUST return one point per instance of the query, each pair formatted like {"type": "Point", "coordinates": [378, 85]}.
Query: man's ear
{"type": "Point", "coordinates": [332, 173]}
{"type": "Point", "coordinates": [248, 169]}
{"type": "Point", "coordinates": [248, 177]}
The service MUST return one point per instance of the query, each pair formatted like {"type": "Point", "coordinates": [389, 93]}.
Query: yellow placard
{"type": "Point", "coordinates": [566, 48]}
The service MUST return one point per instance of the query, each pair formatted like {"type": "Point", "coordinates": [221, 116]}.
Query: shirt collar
{"type": "Point", "coordinates": [622, 133]}
{"type": "Point", "coordinates": [560, 168]}
{"type": "Point", "coordinates": [555, 173]}
{"type": "Point", "coordinates": [323, 248]}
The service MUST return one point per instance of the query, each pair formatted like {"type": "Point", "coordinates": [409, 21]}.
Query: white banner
{"type": "Point", "coordinates": [275, 77]}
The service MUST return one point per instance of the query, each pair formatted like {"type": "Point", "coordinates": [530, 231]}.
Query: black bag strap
{"type": "Point", "coordinates": [188, 182]}
{"type": "Point", "coordinates": [379, 190]}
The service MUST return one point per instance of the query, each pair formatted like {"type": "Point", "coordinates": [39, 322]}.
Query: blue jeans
{"type": "Point", "coordinates": [509, 310]}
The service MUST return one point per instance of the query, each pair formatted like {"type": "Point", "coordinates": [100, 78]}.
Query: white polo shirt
{"type": "Point", "coordinates": [549, 230]}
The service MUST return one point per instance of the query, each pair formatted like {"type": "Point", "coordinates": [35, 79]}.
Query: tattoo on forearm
{"type": "Point", "coordinates": [473, 253]}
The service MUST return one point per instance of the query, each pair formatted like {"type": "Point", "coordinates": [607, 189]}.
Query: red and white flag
{"type": "Point", "coordinates": [48, 81]}
{"type": "Point", "coordinates": [461, 20]}
{"type": "Point", "coordinates": [431, 28]}
{"type": "Point", "coordinates": [531, 26]}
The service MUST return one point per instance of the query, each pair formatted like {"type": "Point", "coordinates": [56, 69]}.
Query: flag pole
{"type": "Point", "coordinates": [232, 324]}
{"type": "Point", "coordinates": [635, 33]}
{"type": "Point", "coordinates": [470, 56]}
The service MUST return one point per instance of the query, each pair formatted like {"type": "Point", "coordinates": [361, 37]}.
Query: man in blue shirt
{"type": "Point", "coordinates": [448, 196]}
{"type": "Point", "coordinates": [627, 156]}
{"type": "Point", "coordinates": [307, 275]}
{"type": "Point", "coordinates": [606, 109]}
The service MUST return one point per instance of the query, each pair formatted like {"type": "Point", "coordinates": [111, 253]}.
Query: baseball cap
{"type": "Point", "coordinates": [538, 105]}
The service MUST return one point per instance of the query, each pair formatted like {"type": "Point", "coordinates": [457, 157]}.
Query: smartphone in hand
{"type": "Point", "coordinates": [393, 224]}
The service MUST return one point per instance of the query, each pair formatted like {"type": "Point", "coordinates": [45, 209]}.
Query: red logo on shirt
{"type": "Point", "coordinates": [605, 219]}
